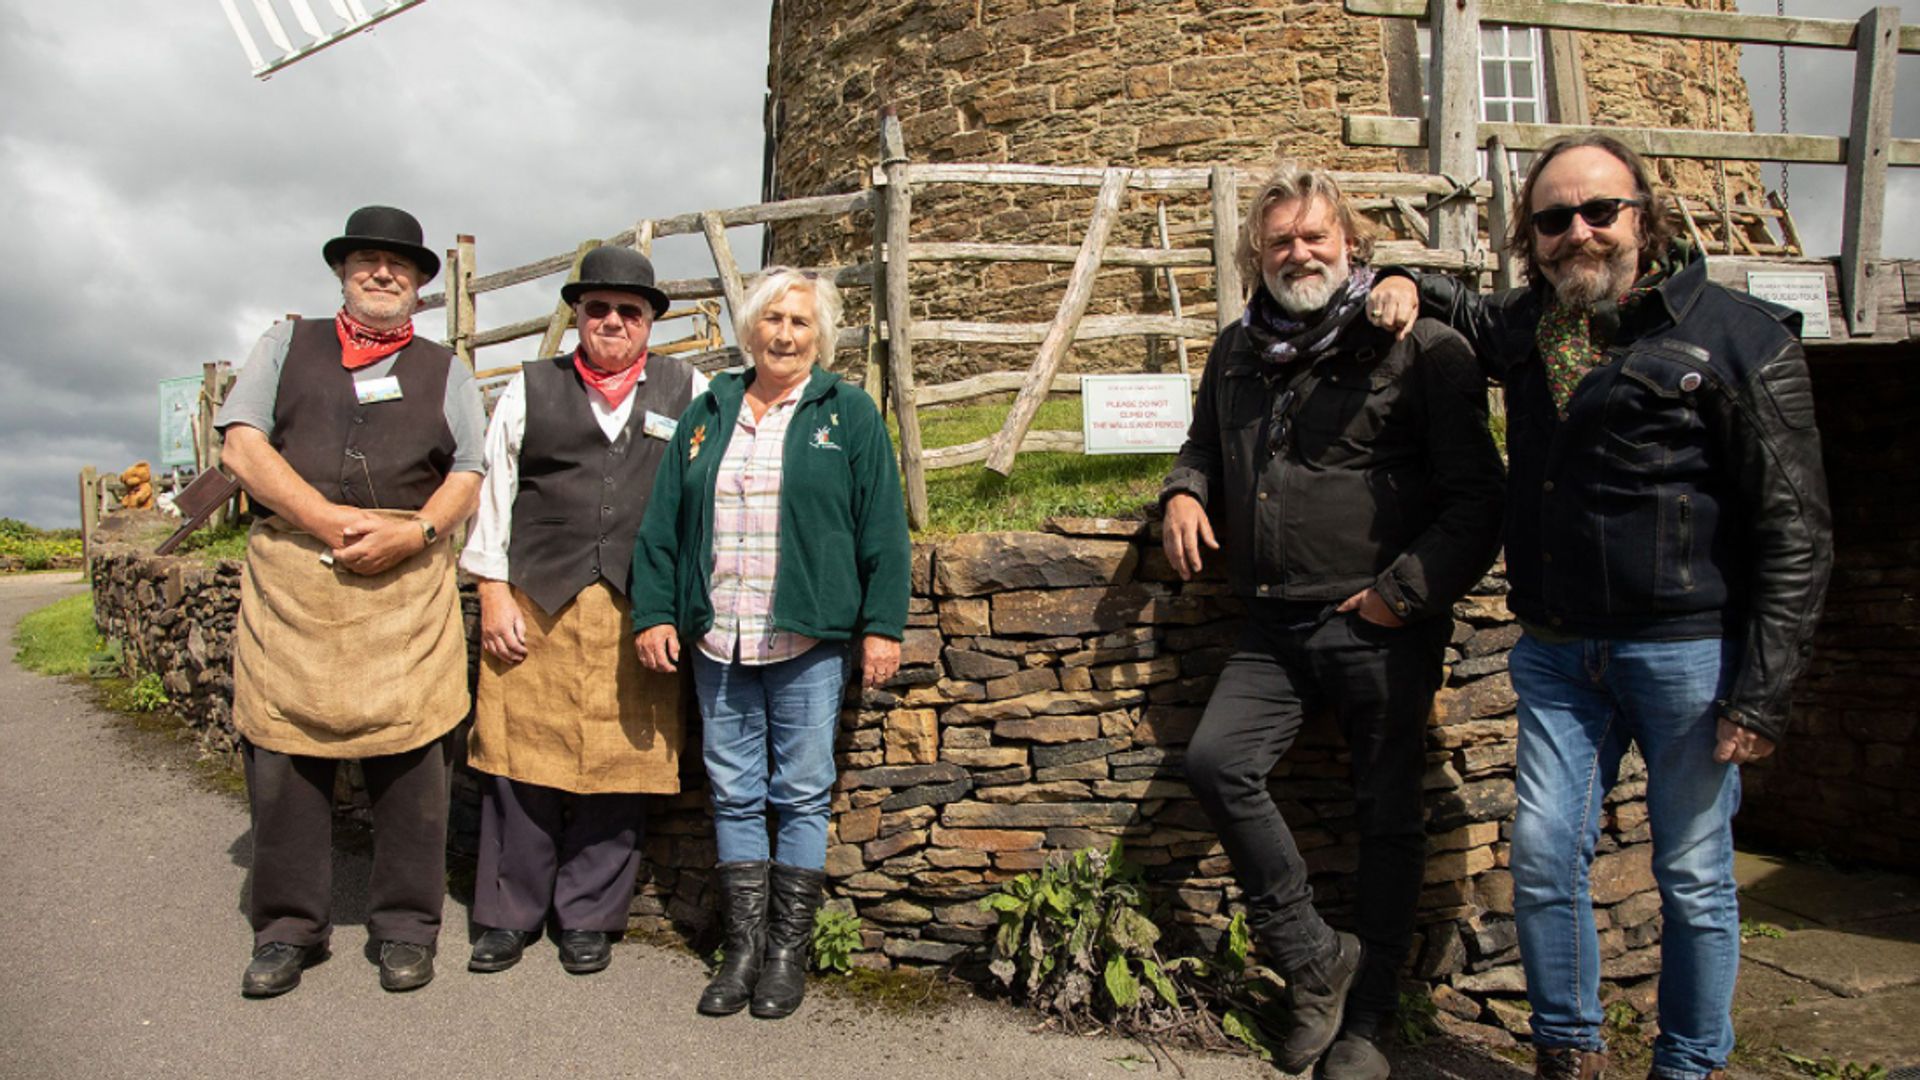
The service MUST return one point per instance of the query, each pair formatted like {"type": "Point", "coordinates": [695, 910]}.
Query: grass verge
{"type": "Point", "coordinates": [58, 639]}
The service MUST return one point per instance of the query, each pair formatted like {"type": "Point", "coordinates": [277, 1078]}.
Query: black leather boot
{"type": "Point", "coordinates": [795, 895]}
{"type": "Point", "coordinates": [743, 919]}
{"type": "Point", "coordinates": [1317, 998]}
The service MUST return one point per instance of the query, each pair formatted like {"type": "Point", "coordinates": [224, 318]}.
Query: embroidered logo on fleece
{"type": "Point", "coordinates": [823, 439]}
{"type": "Point", "coordinates": [693, 443]}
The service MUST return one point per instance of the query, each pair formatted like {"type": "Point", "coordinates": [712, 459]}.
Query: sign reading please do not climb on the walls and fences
{"type": "Point", "coordinates": [1135, 414]}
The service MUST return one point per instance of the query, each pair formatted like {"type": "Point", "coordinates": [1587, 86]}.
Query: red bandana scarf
{"type": "Point", "coordinates": [614, 386]}
{"type": "Point", "coordinates": [361, 344]}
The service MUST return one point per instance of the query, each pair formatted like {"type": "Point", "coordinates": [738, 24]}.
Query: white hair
{"type": "Point", "coordinates": [775, 282]}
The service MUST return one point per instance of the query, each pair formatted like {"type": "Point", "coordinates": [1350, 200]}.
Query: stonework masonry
{"type": "Point", "coordinates": [1133, 83]}
{"type": "Point", "coordinates": [1050, 684]}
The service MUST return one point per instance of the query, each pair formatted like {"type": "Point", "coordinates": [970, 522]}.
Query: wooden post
{"type": "Point", "coordinates": [1033, 392]}
{"type": "Point", "coordinates": [1500, 214]}
{"type": "Point", "coordinates": [1569, 76]}
{"type": "Point", "coordinates": [723, 261]}
{"type": "Point", "coordinates": [643, 237]}
{"type": "Point", "coordinates": [1876, 48]}
{"type": "Point", "coordinates": [1224, 186]}
{"type": "Point", "coordinates": [875, 382]}
{"type": "Point", "coordinates": [893, 163]}
{"type": "Point", "coordinates": [1173, 289]}
{"type": "Point", "coordinates": [563, 311]}
{"type": "Point", "coordinates": [1453, 118]}
{"type": "Point", "coordinates": [460, 312]}
{"type": "Point", "coordinates": [213, 390]}
{"type": "Point", "coordinates": [89, 513]}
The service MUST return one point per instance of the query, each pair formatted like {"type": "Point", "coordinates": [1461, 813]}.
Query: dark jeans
{"type": "Point", "coordinates": [1292, 659]}
{"type": "Point", "coordinates": [292, 802]}
{"type": "Point", "coordinates": [544, 849]}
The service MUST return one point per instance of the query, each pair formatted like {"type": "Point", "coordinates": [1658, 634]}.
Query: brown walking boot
{"type": "Point", "coordinates": [1568, 1063]}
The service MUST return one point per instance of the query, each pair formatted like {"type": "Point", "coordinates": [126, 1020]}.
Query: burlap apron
{"type": "Point", "coordinates": [579, 713]}
{"type": "Point", "coordinates": [330, 663]}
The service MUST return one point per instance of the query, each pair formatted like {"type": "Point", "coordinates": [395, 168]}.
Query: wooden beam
{"type": "Point", "coordinates": [89, 513]}
{"type": "Point", "coordinates": [1158, 179]}
{"type": "Point", "coordinates": [1453, 80]}
{"type": "Point", "coordinates": [1416, 221]}
{"type": "Point", "coordinates": [899, 211]}
{"type": "Point", "coordinates": [1224, 189]}
{"type": "Point", "coordinates": [643, 237]}
{"type": "Point", "coordinates": [1866, 190]}
{"type": "Point", "coordinates": [1173, 285]}
{"type": "Point", "coordinates": [1058, 253]}
{"type": "Point", "coordinates": [1400, 131]}
{"type": "Point", "coordinates": [875, 382]}
{"type": "Point", "coordinates": [1106, 210]}
{"type": "Point", "coordinates": [562, 311]}
{"type": "Point", "coordinates": [1500, 211]}
{"type": "Point", "coordinates": [1091, 328]}
{"type": "Point", "coordinates": [1650, 21]}
{"type": "Point", "coordinates": [1568, 75]}
{"type": "Point", "coordinates": [953, 457]}
{"type": "Point", "coordinates": [998, 382]}
{"type": "Point", "coordinates": [723, 261]}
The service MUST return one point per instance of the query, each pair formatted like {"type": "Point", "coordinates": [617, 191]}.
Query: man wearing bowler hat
{"type": "Point", "coordinates": [361, 446]}
{"type": "Point", "coordinates": [570, 731]}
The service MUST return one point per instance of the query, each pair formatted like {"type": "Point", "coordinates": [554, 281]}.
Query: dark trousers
{"type": "Point", "coordinates": [542, 848]}
{"type": "Point", "coordinates": [291, 798]}
{"type": "Point", "coordinates": [1292, 659]}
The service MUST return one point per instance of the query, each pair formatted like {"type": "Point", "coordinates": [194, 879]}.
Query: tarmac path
{"type": "Point", "coordinates": [121, 886]}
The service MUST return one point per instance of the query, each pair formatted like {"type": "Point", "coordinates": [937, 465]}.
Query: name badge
{"type": "Point", "coordinates": [385, 388]}
{"type": "Point", "coordinates": [656, 426]}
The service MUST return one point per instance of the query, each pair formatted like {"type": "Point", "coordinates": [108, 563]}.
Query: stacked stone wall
{"type": "Point", "coordinates": [1130, 83]}
{"type": "Point", "coordinates": [1050, 684]}
{"type": "Point", "coordinates": [1846, 783]}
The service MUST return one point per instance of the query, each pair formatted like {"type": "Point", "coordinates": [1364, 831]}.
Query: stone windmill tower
{"type": "Point", "coordinates": [1166, 82]}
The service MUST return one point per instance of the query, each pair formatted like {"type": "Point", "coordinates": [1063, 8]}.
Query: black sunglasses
{"type": "Point", "coordinates": [600, 309]}
{"type": "Point", "coordinates": [1597, 213]}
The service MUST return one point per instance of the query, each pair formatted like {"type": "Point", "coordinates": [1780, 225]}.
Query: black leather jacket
{"type": "Point", "coordinates": [1682, 496]}
{"type": "Point", "coordinates": [1386, 477]}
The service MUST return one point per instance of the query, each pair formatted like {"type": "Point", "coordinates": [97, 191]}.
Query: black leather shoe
{"type": "Point", "coordinates": [583, 952]}
{"type": "Point", "coordinates": [1354, 1058]}
{"type": "Point", "coordinates": [498, 950]}
{"type": "Point", "coordinates": [276, 967]}
{"type": "Point", "coordinates": [405, 966]}
{"type": "Point", "coordinates": [794, 895]}
{"type": "Point", "coordinates": [1318, 1000]}
{"type": "Point", "coordinates": [743, 914]}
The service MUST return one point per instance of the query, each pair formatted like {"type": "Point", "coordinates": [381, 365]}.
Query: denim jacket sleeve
{"type": "Point", "coordinates": [1774, 451]}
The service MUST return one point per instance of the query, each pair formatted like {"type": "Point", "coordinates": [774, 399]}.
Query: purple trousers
{"type": "Point", "coordinates": [543, 849]}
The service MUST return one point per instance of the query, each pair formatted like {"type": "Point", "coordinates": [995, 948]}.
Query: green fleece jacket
{"type": "Point", "coordinates": [844, 554]}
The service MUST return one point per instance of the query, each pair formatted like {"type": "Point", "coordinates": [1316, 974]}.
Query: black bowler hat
{"type": "Point", "coordinates": [618, 269]}
{"type": "Point", "coordinates": [383, 228]}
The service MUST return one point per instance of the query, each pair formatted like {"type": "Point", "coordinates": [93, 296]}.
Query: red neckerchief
{"type": "Point", "coordinates": [361, 344]}
{"type": "Point", "coordinates": [614, 386]}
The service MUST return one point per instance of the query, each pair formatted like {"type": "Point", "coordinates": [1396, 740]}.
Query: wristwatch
{"type": "Point", "coordinates": [427, 530]}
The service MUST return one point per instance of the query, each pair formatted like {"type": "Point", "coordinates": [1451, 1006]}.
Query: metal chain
{"type": "Point", "coordinates": [1780, 8]}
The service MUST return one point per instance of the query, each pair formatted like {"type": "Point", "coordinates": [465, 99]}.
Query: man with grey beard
{"type": "Point", "coordinates": [1352, 488]}
{"type": "Point", "coordinates": [1668, 544]}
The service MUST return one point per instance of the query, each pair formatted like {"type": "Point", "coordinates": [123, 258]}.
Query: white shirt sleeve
{"type": "Point", "coordinates": [485, 555]}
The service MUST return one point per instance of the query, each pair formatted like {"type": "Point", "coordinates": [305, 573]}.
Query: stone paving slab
{"type": "Point", "coordinates": [1866, 958]}
{"type": "Point", "coordinates": [1822, 894]}
{"type": "Point", "coordinates": [1756, 910]}
{"type": "Point", "coordinates": [1883, 1029]}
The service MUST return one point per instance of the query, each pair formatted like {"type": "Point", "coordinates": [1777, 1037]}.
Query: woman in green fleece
{"type": "Point", "coordinates": [775, 543]}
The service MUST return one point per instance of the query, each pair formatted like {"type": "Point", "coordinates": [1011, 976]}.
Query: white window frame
{"type": "Point", "coordinates": [1508, 50]}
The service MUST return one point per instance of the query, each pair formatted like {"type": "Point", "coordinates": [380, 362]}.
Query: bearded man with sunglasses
{"type": "Point", "coordinates": [1355, 491]}
{"type": "Point", "coordinates": [570, 732]}
{"type": "Point", "coordinates": [1668, 545]}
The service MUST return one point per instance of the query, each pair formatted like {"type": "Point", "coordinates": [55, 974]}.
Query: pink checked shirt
{"type": "Point", "coordinates": [746, 541]}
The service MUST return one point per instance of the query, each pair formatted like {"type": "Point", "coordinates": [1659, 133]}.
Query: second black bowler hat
{"type": "Point", "coordinates": [620, 269]}
{"type": "Point", "coordinates": [383, 228]}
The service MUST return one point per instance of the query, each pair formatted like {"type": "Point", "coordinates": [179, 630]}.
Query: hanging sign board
{"type": "Point", "coordinates": [1135, 414]}
{"type": "Point", "coordinates": [179, 405]}
{"type": "Point", "coordinates": [1802, 291]}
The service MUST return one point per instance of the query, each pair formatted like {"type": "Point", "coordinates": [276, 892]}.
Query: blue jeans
{"type": "Point", "coordinates": [1581, 703]}
{"type": "Point", "coordinates": [769, 745]}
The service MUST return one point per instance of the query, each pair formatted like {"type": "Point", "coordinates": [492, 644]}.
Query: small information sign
{"type": "Point", "coordinates": [179, 405]}
{"type": "Point", "coordinates": [1805, 292]}
{"type": "Point", "coordinates": [1135, 414]}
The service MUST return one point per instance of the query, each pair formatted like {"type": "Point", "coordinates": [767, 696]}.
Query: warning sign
{"type": "Point", "coordinates": [1135, 414]}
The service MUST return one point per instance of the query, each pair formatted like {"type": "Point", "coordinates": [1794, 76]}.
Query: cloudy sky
{"type": "Point", "coordinates": [159, 207]}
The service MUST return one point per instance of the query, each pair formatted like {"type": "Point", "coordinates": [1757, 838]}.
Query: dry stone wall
{"type": "Point", "coordinates": [1050, 684]}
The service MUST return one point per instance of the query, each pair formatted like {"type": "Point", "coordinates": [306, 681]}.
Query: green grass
{"type": "Point", "coordinates": [37, 548]}
{"type": "Point", "coordinates": [974, 499]}
{"type": "Point", "coordinates": [212, 545]}
{"type": "Point", "coordinates": [58, 639]}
